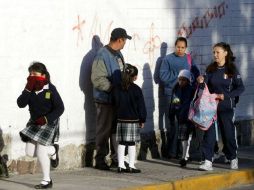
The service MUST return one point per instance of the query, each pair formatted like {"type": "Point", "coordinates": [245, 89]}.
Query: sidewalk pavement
{"type": "Point", "coordinates": [156, 175]}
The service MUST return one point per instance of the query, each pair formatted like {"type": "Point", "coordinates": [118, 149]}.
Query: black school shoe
{"type": "Point", "coordinates": [102, 166]}
{"type": "Point", "coordinates": [122, 170]}
{"type": "Point", "coordinates": [42, 186]}
{"type": "Point", "coordinates": [183, 163]}
{"type": "Point", "coordinates": [133, 170]}
{"type": "Point", "coordinates": [55, 163]}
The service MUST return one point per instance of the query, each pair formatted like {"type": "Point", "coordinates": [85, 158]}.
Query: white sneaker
{"type": "Point", "coordinates": [206, 166]}
{"type": "Point", "coordinates": [234, 164]}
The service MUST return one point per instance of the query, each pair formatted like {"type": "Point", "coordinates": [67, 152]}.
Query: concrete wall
{"type": "Point", "coordinates": [59, 33]}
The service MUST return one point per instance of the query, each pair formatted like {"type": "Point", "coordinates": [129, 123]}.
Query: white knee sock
{"type": "Point", "coordinates": [30, 149]}
{"type": "Point", "coordinates": [43, 157]}
{"type": "Point", "coordinates": [186, 148]}
{"type": "Point", "coordinates": [51, 152]}
{"type": "Point", "coordinates": [132, 155]}
{"type": "Point", "coordinates": [120, 156]}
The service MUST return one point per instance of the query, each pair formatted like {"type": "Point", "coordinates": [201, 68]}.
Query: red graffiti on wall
{"type": "Point", "coordinates": [96, 29]}
{"type": "Point", "coordinates": [152, 44]}
{"type": "Point", "coordinates": [202, 22]}
{"type": "Point", "coordinates": [108, 31]}
{"type": "Point", "coordinates": [135, 38]}
{"type": "Point", "coordinates": [78, 27]}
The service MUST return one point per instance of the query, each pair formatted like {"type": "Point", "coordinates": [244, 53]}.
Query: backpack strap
{"type": "Point", "coordinates": [189, 59]}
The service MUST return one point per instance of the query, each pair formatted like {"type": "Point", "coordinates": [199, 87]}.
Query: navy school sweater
{"type": "Point", "coordinates": [130, 104]}
{"type": "Point", "coordinates": [46, 103]}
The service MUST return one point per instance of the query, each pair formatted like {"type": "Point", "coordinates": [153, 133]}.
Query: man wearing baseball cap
{"type": "Point", "coordinates": [106, 73]}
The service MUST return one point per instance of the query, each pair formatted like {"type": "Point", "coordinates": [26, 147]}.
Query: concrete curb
{"type": "Point", "coordinates": [207, 182]}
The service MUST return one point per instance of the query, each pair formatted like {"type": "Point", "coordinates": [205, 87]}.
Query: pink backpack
{"type": "Point", "coordinates": [203, 108]}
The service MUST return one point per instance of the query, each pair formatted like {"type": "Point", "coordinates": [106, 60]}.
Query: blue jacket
{"type": "Point", "coordinates": [170, 68]}
{"type": "Point", "coordinates": [106, 71]}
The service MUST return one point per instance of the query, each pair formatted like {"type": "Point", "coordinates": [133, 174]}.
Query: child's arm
{"type": "Point", "coordinates": [58, 107]}
{"type": "Point", "coordinates": [23, 99]}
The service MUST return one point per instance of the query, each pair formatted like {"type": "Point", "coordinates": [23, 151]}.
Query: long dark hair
{"type": "Point", "coordinates": [39, 67]}
{"type": "Point", "coordinates": [230, 67]}
{"type": "Point", "coordinates": [128, 75]}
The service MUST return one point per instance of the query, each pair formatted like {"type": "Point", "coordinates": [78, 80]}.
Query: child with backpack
{"type": "Point", "coordinates": [131, 116]}
{"type": "Point", "coordinates": [182, 96]}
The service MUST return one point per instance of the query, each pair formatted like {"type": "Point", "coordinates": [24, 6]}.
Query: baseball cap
{"type": "Point", "coordinates": [119, 33]}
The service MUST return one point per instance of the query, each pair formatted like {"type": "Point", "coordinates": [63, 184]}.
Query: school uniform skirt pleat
{"type": "Point", "coordinates": [128, 132]}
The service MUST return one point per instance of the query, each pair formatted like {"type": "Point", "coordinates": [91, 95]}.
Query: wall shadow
{"type": "Point", "coordinates": [148, 136]}
{"type": "Point", "coordinates": [86, 87]}
{"type": "Point", "coordinates": [163, 103]}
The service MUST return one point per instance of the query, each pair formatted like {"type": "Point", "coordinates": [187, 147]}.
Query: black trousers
{"type": "Point", "coordinates": [228, 133]}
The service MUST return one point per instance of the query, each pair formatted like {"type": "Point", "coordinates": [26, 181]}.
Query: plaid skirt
{"type": "Point", "coordinates": [128, 132]}
{"type": "Point", "coordinates": [45, 134]}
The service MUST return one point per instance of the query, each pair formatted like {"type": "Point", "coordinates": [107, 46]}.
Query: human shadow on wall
{"type": "Point", "coordinates": [86, 87]}
{"type": "Point", "coordinates": [148, 137]}
{"type": "Point", "coordinates": [163, 107]}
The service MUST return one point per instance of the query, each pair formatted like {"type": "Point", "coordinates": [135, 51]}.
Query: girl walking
{"type": "Point", "coordinates": [41, 131]}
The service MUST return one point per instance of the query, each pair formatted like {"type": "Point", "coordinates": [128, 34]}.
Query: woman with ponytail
{"type": "Point", "coordinates": [223, 79]}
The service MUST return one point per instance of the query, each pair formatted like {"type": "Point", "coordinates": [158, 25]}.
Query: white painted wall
{"type": "Point", "coordinates": [46, 30]}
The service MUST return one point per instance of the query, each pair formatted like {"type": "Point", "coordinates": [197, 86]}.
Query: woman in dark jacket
{"type": "Point", "coordinates": [223, 79]}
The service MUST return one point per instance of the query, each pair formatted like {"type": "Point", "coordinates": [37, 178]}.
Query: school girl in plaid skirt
{"type": "Point", "coordinates": [42, 130]}
{"type": "Point", "coordinates": [182, 96]}
{"type": "Point", "coordinates": [131, 115]}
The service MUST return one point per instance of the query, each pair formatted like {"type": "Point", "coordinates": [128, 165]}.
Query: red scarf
{"type": "Point", "coordinates": [40, 82]}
